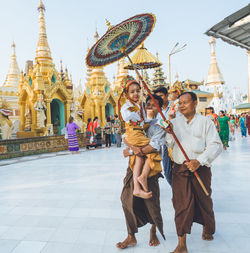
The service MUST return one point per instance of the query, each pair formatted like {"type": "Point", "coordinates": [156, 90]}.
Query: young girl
{"type": "Point", "coordinates": [135, 137]}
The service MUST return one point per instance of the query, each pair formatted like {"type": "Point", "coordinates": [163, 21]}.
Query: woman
{"type": "Point", "coordinates": [243, 126]}
{"type": "Point", "coordinates": [108, 127]}
{"type": "Point", "coordinates": [224, 129]}
{"type": "Point", "coordinates": [89, 133]}
{"type": "Point", "coordinates": [72, 138]}
{"type": "Point", "coordinates": [232, 126]}
{"type": "Point", "coordinates": [97, 132]}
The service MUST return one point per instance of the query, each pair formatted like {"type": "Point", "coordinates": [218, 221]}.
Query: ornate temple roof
{"type": "Point", "coordinates": [214, 76]}
{"type": "Point", "coordinates": [13, 76]}
{"type": "Point", "coordinates": [144, 59]}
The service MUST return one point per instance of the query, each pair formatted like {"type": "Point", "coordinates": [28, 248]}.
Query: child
{"type": "Point", "coordinates": [176, 90]}
{"type": "Point", "coordinates": [135, 137]}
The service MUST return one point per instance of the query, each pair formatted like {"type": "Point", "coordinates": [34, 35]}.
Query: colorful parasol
{"type": "Point", "coordinates": [129, 34]}
{"type": "Point", "coordinates": [143, 59]}
{"type": "Point", "coordinates": [119, 41]}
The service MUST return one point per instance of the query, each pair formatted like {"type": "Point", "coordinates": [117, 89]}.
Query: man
{"type": "Point", "coordinates": [248, 121]}
{"type": "Point", "coordinates": [138, 212]}
{"type": "Point", "coordinates": [166, 160]}
{"type": "Point", "coordinates": [117, 131]}
{"type": "Point", "coordinates": [201, 141]}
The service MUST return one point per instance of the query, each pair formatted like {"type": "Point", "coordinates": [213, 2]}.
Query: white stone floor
{"type": "Point", "coordinates": [60, 203]}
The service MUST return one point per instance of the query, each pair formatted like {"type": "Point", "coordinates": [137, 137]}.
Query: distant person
{"type": "Point", "coordinates": [71, 128]}
{"type": "Point", "coordinates": [248, 122]}
{"type": "Point", "coordinates": [232, 126]}
{"type": "Point", "coordinates": [117, 131]}
{"type": "Point", "coordinates": [224, 129]}
{"type": "Point", "coordinates": [213, 116]}
{"type": "Point", "coordinates": [243, 126]}
{"type": "Point", "coordinates": [113, 140]}
{"type": "Point", "coordinates": [96, 124]}
{"type": "Point", "coordinates": [89, 133]}
{"type": "Point", "coordinates": [108, 127]}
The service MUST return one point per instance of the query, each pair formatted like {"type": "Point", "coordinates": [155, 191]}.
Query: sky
{"type": "Point", "coordinates": [72, 24]}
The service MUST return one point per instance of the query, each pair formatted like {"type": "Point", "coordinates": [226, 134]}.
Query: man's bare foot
{"type": "Point", "coordinates": [180, 249]}
{"type": "Point", "coordinates": [129, 241]}
{"type": "Point", "coordinates": [206, 236]}
{"type": "Point", "coordinates": [153, 241]}
{"type": "Point", "coordinates": [143, 182]}
{"type": "Point", "coordinates": [142, 194]}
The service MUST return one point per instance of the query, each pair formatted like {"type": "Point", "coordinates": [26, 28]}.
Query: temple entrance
{"type": "Point", "coordinates": [109, 110]}
{"type": "Point", "coordinates": [57, 115]}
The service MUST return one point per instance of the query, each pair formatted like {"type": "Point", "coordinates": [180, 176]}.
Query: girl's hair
{"type": "Point", "coordinates": [95, 118]}
{"type": "Point", "coordinates": [71, 119]}
{"type": "Point", "coordinates": [222, 112]}
{"type": "Point", "coordinates": [89, 120]}
{"type": "Point", "coordinates": [108, 119]}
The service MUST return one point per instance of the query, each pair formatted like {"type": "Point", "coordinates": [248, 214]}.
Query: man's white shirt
{"type": "Point", "coordinates": [199, 139]}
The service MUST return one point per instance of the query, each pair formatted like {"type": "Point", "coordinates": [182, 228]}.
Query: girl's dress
{"type": "Point", "coordinates": [133, 116]}
{"type": "Point", "coordinates": [224, 130]}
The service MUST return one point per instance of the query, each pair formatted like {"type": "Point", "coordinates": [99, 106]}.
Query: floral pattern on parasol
{"type": "Point", "coordinates": [128, 34]}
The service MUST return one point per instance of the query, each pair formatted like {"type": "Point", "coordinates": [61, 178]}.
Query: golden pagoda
{"type": "Point", "coordinates": [98, 98]}
{"type": "Point", "coordinates": [9, 90]}
{"type": "Point", "coordinates": [44, 94]}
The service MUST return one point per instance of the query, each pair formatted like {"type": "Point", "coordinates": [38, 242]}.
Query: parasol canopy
{"type": "Point", "coordinates": [128, 35]}
{"type": "Point", "coordinates": [143, 59]}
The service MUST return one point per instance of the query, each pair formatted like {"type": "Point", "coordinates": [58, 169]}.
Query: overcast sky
{"type": "Point", "coordinates": [71, 23]}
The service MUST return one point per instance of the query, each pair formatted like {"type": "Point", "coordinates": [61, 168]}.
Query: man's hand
{"type": "Point", "coordinates": [193, 165]}
{"type": "Point", "coordinates": [137, 151]}
{"type": "Point", "coordinates": [169, 129]}
{"type": "Point", "coordinates": [126, 152]}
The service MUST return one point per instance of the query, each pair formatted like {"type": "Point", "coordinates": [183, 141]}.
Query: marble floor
{"type": "Point", "coordinates": [60, 203]}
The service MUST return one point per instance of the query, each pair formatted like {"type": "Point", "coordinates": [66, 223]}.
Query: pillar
{"type": "Point", "coordinates": [48, 113]}
{"type": "Point", "coordinates": [103, 120]}
{"type": "Point", "coordinates": [22, 118]}
{"type": "Point", "coordinates": [33, 118]}
{"type": "Point", "coordinates": [248, 71]}
{"type": "Point", "coordinates": [67, 114]}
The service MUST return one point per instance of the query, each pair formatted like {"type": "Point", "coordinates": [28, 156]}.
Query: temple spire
{"type": "Point", "coordinates": [13, 76]}
{"type": "Point", "coordinates": [214, 76]}
{"type": "Point", "coordinates": [42, 50]}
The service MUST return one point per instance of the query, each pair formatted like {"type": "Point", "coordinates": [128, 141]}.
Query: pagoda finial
{"type": "Point", "coordinates": [41, 6]}
{"type": "Point", "coordinates": [13, 76]}
{"type": "Point", "coordinates": [214, 76]}
{"type": "Point", "coordinates": [108, 24]}
{"type": "Point", "coordinates": [96, 35]}
{"type": "Point", "coordinates": [42, 50]}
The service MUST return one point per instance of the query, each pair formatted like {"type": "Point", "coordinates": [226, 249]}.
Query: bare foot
{"type": "Point", "coordinates": [129, 241]}
{"type": "Point", "coordinates": [142, 194]}
{"type": "Point", "coordinates": [143, 182]}
{"type": "Point", "coordinates": [206, 236]}
{"type": "Point", "coordinates": [180, 249]}
{"type": "Point", "coordinates": [77, 152]}
{"type": "Point", "coordinates": [71, 152]}
{"type": "Point", "coordinates": [153, 241]}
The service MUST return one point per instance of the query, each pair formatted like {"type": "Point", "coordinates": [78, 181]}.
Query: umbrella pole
{"type": "Point", "coordinates": [164, 118]}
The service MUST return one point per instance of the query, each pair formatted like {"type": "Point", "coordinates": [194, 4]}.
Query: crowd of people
{"type": "Point", "coordinates": [227, 124]}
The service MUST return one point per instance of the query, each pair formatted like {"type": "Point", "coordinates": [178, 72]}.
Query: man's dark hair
{"type": "Point", "coordinates": [192, 94]}
{"type": "Point", "coordinates": [158, 98]}
{"type": "Point", "coordinates": [161, 89]}
{"type": "Point", "coordinates": [116, 116]}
